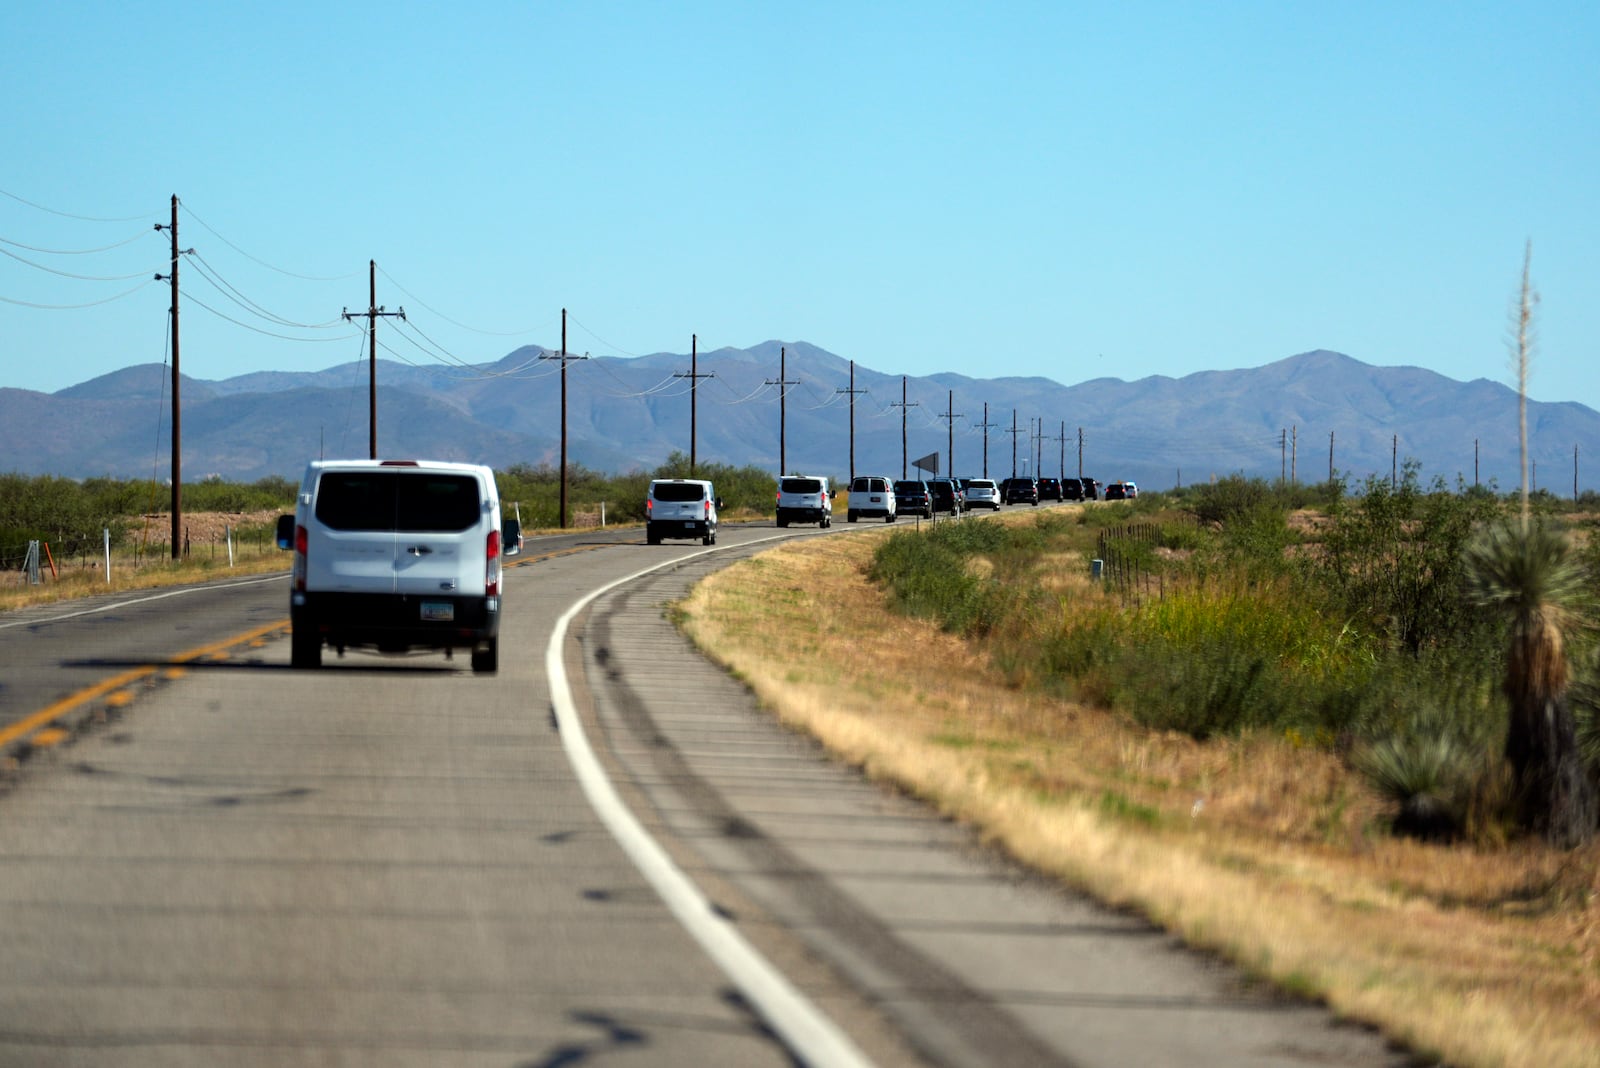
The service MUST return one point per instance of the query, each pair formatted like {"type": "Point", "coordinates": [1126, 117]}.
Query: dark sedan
{"type": "Point", "coordinates": [1019, 491]}
{"type": "Point", "coordinates": [946, 495]}
{"type": "Point", "coordinates": [911, 497]}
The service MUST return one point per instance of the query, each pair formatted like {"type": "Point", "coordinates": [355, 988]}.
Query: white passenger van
{"type": "Point", "coordinates": [395, 555]}
{"type": "Point", "coordinates": [804, 499]}
{"type": "Point", "coordinates": [871, 496]}
{"type": "Point", "coordinates": [681, 508]}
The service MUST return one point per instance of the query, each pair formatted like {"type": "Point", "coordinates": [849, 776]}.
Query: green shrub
{"type": "Point", "coordinates": [1393, 560]}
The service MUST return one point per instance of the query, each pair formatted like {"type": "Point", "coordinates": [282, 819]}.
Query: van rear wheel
{"type": "Point", "coordinates": [486, 656]}
{"type": "Point", "coordinates": [305, 648]}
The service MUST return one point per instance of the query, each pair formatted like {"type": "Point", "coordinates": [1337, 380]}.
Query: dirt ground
{"type": "Point", "coordinates": [203, 527]}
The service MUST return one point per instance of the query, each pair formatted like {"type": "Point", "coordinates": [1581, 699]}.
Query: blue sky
{"type": "Point", "coordinates": [1058, 189]}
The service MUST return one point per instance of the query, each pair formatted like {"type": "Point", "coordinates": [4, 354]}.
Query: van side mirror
{"type": "Point", "coordinates": [719, 504]}
{"type": "Point", "coordinates": [511, 537]}
{"type": "Point", "coordinates": [286, 532]}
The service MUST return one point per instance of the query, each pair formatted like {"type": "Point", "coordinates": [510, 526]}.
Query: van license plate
{"type": "Point", "coordinates": [438, 611]}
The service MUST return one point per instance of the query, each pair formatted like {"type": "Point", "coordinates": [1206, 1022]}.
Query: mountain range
{"type": "Point", "coordinates": [631, 413]}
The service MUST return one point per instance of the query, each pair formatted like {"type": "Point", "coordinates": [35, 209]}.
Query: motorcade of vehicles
{"type": "Point", "coordinates": [395, 555]}
{"type": "Point", "coordinates": [1049, 489]}
{"type": "Point", "coordinates": [871, 497]}
{"type": "Point", "coordinates": [946, 494]}
{"type": "Point", "coordinates": [1019, 491]}
{"type": "Point", "coordinates": [805, 499]}
{"type": "Point", "coordinates": [911, 497]}
{"type": "Point", "coordinates": [982, 493]}
{"type": "Point", "coordinates": [681, 508]}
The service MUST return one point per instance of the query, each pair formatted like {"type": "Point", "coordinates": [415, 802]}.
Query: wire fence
{"type": "Point", "coordinates": [1126, 556]}
{"type": "Point", "coordinates": [37, 560]}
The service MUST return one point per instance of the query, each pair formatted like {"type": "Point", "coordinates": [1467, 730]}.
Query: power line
{"type": "Point", "coordinates": [70, 215]}
{"type": "Point", "coordinates": [75, 307]}
{"type": "Point", "coordinates": [232, 292]}
{"type": "Point", "coordinates": [256, 329]}
{"type": "Point", "coordinates": [254, 259]}
{"type": "Point", "coordinates": [75, 251]}
{"type": "Point", "coordinates": [446, 318]}
{"type": "Point", "coordinates": [69, 274]}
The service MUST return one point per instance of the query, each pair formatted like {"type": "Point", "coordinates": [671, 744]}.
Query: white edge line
{"type": "Point", "coordinates": [803, 1027]}
{"type": "Point", "coordinates": [278, 577]}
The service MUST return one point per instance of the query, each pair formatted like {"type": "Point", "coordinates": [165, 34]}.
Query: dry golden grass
{"type": "Point", "coordinates": [1257, 848]}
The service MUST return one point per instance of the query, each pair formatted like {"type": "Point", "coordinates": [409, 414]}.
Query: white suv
{"type": "Point", "coordinates": [982, 493]}
{"type": "Point", "coordinates": [804, 499]}
{"type": "Point", "coordinates": [395, 555]}
{"type": "Point", "coordinates": [681, 508]}
{"type": "Point", "coordinates": [871, 496]}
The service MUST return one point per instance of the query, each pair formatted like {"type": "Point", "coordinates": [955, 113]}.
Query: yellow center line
{"type": "Point", "coordinates": [215, 650]}
{"type": "Point", "coordinates": [66, 704]}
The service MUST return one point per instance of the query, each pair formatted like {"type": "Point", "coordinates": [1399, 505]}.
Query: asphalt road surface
{"type": "Point", "coordinates": [602, 854]}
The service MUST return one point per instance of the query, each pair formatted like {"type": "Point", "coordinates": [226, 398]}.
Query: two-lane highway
{"type": "Point", "coordinates": [393, 861]}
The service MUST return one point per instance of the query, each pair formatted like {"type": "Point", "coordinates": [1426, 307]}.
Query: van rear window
{"type": "Point", "coordinates": [678, 491]}
{"type": "Point", "coordinates": [390, 501]}
{"type": "Point", "coordinates": [800, 485]}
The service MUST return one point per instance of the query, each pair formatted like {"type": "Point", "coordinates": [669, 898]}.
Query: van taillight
{"type": "Point", "coordinates": [491, 576]}
{"type": "Point", "coordinates": [649, 507]}
{"type": "Point", "coordinates": [708, 509]}
{"type": "Point", "coordinates": [300, 542]}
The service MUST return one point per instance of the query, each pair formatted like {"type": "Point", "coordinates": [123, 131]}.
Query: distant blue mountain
{"type": "Point", "coordinates": [630, 414]}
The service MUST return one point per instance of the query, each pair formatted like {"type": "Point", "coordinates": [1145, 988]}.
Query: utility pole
{"type": "Point", "coordinates": [903, 405]}
{"type": "Point", "coordinates": [1474, 462]}
{"type": "Point", "coordinates": [1294, 455]}
{"type": "Point", "coordinates": [564, 358]}
{"type": "Point", "coordinates": [1283, 456]}
{"type": "Point", "coordinates": [1063, 440]}
{"type": "Point", "coordinates": [851, 392]}
{"type": "Point", "coordinates": [1574, 474]}
{"type": "Point", "coordinates": [372, 313]}
{"type": "Point", "coordinates": [984, 426]}
{"type": "Point", "coordinates": [1330, 456]}
{"type": "Point", "coordinates": [1080, 452]}
{"type": "Point", "coordinates": [177, 409]}
{"type": "Point", "coordinates": [951, 415]}
{"type": "Point", "coordinates": [694, 376]}
{"type": "Point", "coordinates": [1394, 464]}
{"type": "Point", "coordinates": [783, 385]}
{"type": "Point", "coordinates": [1013, 432]}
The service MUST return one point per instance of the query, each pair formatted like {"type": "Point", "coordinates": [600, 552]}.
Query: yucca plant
{"type": "Point", "coordinates": [1427, 774]}
{"type": "Point", "coordinates": [1529, 575]}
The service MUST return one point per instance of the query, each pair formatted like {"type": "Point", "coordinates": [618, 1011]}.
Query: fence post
{"type": "Point", "coordinates": [30, 564]}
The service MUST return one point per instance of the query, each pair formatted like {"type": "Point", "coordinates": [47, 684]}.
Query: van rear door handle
{"type": "Point", "coordinates": [418, 550]}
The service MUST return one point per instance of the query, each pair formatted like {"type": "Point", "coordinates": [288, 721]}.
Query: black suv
{"type": "Point", "coordinates": [1091, 489]}
{"type": "Point", "coordinates": [912, 498]}
{"type": "Point", "coordinates": [1019, 491]}
{"type": "Point", "coordinates": [1071, 489]}
{"type": "Point", "coordinates": [946, 495]}
{"type": "Point", "coordinates": [1049, 489]}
